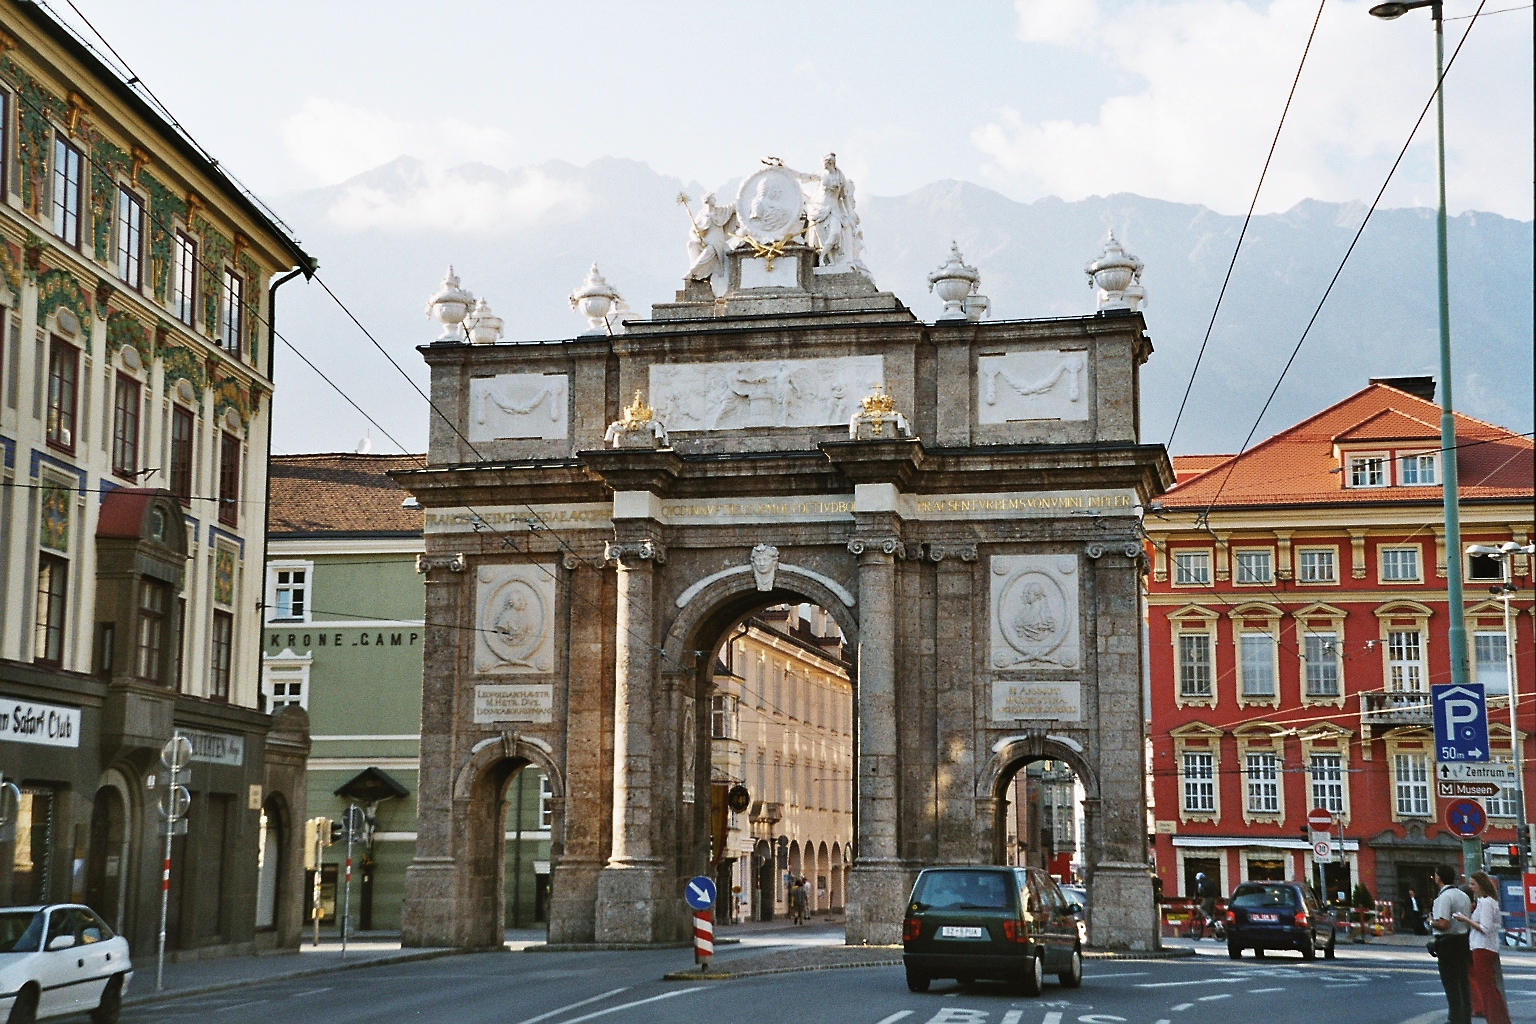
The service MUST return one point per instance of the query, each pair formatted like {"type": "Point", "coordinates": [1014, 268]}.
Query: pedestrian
{"type": "Point", "coordinates": [797, 901]}
{"type": "Point", "coordinates": [1485, 921]}
{"type": "Point", "coordinates": [1454, 955]}
{"type": "Point", "coordinates": [1413, 914]}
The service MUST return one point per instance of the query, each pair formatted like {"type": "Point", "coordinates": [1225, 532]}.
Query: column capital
{"type": "Point", "coordinates": [633, 554]}
{"type": "Point", "coordinates": [436, 563]}
{"type": "Point", "coordinates": [891, 546]}
{"type": "Point", "coordinates": [939, 552]}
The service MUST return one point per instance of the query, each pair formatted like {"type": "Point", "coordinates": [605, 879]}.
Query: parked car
{"type": "Point", "coordinates": [1075, 894]}
{"type": "Point", "coordinates": [60, 959]}
{"type": "Point", "coordinates": [1278, 915]}
{"type": "Point", "coordinates": [1003, 923]}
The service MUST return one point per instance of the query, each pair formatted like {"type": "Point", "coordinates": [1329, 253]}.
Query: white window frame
{"type": "Point", "coordinates": [1324, 657]}
{"type": "Point", "coordinates": [1355, 465]}
{"type": "Point", "coordinates": [1333, 559]}
{"type": "Point", "coordinates": [1239, 571]}
{"type": "Point", "coordinates": [1417, 460]}
{"type": "Point", "coordinates": [275, 567]}
{"type": "Point", "coordinates": [288, 669]}
{"type": "Point", "coordinates": [1261, 782]}
{"type": "Point", "coordinates": [1197, 775]}
{"type": "Point", "coordinates": [1209, 692]}
{"type": "Point", "coordinates": [1178, 569]}
{"type": "Point", "coordinates": [1413, 669]}
{"type": "Point", "coordinates": [1410, 795]}
{"type": "Point", "coordinates": [1243, 689]}
{"type": "Point", "coordinates": [546, 795]}
{"type": "Point", "coordinates": [1502, 682]}
{"type": "Point", "coordinates": [1328, 782]}
{"type": "Point", "coordinates": [1417, 551]}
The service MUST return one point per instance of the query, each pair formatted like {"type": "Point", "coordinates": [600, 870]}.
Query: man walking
{"type": "Point", "coordinates": [1454, 952]}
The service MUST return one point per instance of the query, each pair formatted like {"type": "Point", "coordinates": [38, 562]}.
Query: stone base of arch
{"type": "Point", "coordinates": [632, 904]}
{"type": "Point", "coordinates": [877, 900]}
{"type": "Point", "coordinates": [1122, 913]}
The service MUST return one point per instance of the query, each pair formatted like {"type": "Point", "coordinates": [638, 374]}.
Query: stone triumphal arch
{"type": "Point", "coordinates": [602, 511]}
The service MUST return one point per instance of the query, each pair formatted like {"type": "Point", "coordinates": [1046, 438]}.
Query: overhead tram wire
{"type": "Point", "coordinates": [1243, 233]}
{"type": "Point", "coordinates": [1334, 280]}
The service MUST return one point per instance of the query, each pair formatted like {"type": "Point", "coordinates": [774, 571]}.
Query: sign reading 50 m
{"type": "Point", "coordinates": [1461, 722]}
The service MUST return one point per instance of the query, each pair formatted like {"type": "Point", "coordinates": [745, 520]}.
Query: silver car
{"type": "Point", "coordinates": [60, 959]}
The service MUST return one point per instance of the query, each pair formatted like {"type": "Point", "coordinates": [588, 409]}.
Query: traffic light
{"type": "Point", "coordinates": [335, 832]}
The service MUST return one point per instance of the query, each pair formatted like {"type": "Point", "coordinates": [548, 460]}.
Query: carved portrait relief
{"type": "Point", "coordinates": [1032, 386]}
{"type": "Point", "coordinates": [514, 619]}
{"type": "Point", "coordinates": [769, 205]}
{"type": "Point", "coordinates": [1034, 612]}
{"type": "Point", "coordinates": [514, 406]}
{"type": "Point", "coordinates": [767, 393]}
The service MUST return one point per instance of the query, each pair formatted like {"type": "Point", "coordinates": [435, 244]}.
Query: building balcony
{"type": "Point", "coordinates": [1393, 707]}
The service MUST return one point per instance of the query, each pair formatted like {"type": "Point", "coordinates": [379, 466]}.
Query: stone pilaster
{"type": "Point", "coordinates": [877, 885]}
{"type": "Point", "coordinates": [430, 915]}
{"type": "Point", "coordinates": [627, 896]}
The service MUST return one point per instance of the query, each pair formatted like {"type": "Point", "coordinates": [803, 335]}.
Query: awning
{"type": "Point", "coordinates": [1215, 842]}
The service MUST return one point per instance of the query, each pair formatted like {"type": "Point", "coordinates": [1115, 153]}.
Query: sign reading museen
{"type": "Point", "coordinates": [1060, 700]}
{"type": "Point", "coordinates": [518, 702]}
{"type": "Point", "coordinates": [48, 725]}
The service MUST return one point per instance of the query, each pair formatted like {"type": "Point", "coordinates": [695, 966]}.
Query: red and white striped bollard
{"type": "Point", "coordinates": [703, 937]}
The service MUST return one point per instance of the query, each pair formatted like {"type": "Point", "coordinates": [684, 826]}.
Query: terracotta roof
{"type": "Point", "coordinates": [340, 494]}
{"type": "Point", "coordinates": [1391, 425]}
{"type": "Point", "coordinates": [1297, 466]}
{"type": "Point", "coordinates": [1186, 466]}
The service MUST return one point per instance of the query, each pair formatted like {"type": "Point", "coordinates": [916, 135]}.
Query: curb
{"type": "Point", "coordinates": [602, 947]}
{"type": "Point", "coordinates": [1151, 954]}
{"type": "Point", "coordinates": [733, 975]}
{"type": "Point", "coordinates": [224, 986]}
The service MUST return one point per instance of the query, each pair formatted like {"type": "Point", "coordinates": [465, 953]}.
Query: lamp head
{"type": "Point", "coordinates": [1390, 11]}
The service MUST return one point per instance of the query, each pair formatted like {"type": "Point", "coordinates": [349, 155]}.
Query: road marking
{"type": "Point", "coordinates": [637, 1002]}
{"type": "Point", "coordinates": [572, 1006]}
{"type": "Point", "coordinates": [893, 1018]}
{"type": "Point", "coordinates": [1219, 995]}
{"type": "Point", "coordinates": [309, 992]}
{"type": "Point", "coordinates": [1012, 1017]}
{"type": "Point", "coordinates": [1054, 1017]}
{"type": "Point", "coordinates": [236, 1006]}
{"type": "Point", "coordinates": [1184, 984]}
{"type": "Point", "coordinates": [1260, 991]}
{"type": "Point", "coordinates": [1183, 1006]}
{"type": "Point", "coordinates": [1124, 974]}
{"type": "Point", "coordinates": [1355, 984]}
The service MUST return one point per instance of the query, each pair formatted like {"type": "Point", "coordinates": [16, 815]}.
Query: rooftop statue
{"type": "Point", "coordinates": [833, 221]}
{"type": "Point", "coordinates": [713, 227]}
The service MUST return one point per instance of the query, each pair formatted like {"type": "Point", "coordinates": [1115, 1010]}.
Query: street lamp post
{"type": "Point", "coordinates": [1457, 640]}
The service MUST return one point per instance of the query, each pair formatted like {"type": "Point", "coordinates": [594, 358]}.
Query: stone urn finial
{"type": "Point", "coordinates": [594, 300]}
{"type": "Point", "coordinates": [877, 418]}
{"type": "Point", "coordinates": [449, 306]}
{"type": "Point", "coordinates": [484, 327]}
{"type": "Point", "coordinates": [1116, 274]}
{"type": "Point", "coordinates": [956, 282]}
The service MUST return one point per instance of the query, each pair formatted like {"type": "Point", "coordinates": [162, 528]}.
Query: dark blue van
{"type": "Point", "coordinates": [1278, 915]}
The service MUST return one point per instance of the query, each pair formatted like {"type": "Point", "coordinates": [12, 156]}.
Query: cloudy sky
{"type": "Point", "coordinates": [1175, 99]}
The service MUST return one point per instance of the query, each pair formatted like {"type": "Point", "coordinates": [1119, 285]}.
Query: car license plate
{"type": "Point", "coordinates": [1264, 918]}
{"type": "Point", "coordinates": [951, 931]}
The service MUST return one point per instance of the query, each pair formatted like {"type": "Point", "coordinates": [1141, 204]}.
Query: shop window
{"type": "Point", "coordinates": [66, 191]}
{"type": "Point", "coordinates": [52, 589]}
{"type": "Point", "coordinates": [1410, 775]}
{"type": "Point", "coordinates": [1192, 568]}
{"type": "Point", "coordinates": [1405, 660]}
{"type": "Point", "coordinates": [1318, 565]}
{"type": "Point", "coordinates": [130, 238]}
{"type": "Point", "coordinates": [1263, 778]}
{"type": "Point", "coordinates": [229, 479]}
{"type": "Point", "coordinates": [223, 635]}
{"type": "Point", "coordinates": [63, 378]}
{"type": "Point", "coordinates": [1195, 664]}
{"type": "Point", "coordinates": [181, 454]}
{"type": "Point", "coordinates": [125, 427]}
{"type": "Point", "coordinates": [1327, 772]}
{"type": "Point", "coordinates": [1199, 782]}
{"type": "Point", "coordinates": [1490, 653]}
{"type": "Point", "coordinates": [154, 604]}
{"type": "Point", "coordinates": [32, 851]}
{"type": "Point", "coordinates": [1321, 654]}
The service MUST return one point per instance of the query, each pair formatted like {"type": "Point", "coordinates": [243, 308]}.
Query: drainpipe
{"type": "Point", "coordinates": [308, 271]}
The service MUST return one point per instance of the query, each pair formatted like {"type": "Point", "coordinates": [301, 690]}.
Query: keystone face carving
{"type": "Point", "coordinates": [765, 564]}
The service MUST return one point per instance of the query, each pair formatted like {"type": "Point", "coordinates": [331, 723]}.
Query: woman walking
{"type": "Point", "coordinates": [1485, 923]}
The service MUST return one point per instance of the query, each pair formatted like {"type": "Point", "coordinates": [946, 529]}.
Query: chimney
{"type": "Point", "coordinates": [1418, 387]}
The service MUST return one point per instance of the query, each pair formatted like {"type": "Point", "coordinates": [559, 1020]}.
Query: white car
{"type": "Point", "coordinates": [60, 959]}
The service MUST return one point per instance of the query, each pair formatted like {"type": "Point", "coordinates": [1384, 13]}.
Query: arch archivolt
{"type": "Point", "coordinates": [493, 750]}
{"type": "Point", "coordinates": [717, 603]}
{"type": "Point", "coordinates": [1010, 750]}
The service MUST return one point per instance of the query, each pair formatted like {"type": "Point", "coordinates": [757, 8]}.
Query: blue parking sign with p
{"type": "Point", "coordinates": [1461, 722]}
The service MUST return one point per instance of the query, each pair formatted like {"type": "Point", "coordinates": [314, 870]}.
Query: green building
{"type": "Point", "coordinates": [343, 638]}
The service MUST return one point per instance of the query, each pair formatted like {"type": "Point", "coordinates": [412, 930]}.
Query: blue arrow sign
{"type": "Point", "coordinates": [700, 893]}
{"type": "Point", "coordinates": [1461, 722]}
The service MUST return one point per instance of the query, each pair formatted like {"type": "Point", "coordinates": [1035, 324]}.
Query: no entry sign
{"type": "Point", "coordinates": [1319, 819]}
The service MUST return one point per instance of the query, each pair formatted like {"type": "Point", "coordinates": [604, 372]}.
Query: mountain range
{"type": "Point", "coordinates": [523, 239]}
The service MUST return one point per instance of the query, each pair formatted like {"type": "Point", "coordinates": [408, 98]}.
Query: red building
{"type": "Point", "coordinates": [1297, 618]}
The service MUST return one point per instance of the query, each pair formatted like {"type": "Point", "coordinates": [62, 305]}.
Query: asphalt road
{"type": "Point", "coordinates": [1360, 987]}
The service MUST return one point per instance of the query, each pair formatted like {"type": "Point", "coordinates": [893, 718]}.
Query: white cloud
{"type": "Point", "coordinates": [1209, 81]}
{"type": "Point", "coordinates": [472, 200]}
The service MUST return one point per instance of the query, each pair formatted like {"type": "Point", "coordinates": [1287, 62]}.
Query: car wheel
{"type": "Point", "coordinates": [916, 981]}
{"type": "Point", "coordinates": [111, 1002]}
{"type": "Point", "coordinates": [24, 1010]}
{"type": "Point", "coordinates": [1072, 977]}
{"type": "Point", "coordinates": [1031, 976]}
{"type": "Point", "coordinates": [1328, 950]}
{"type": "Point", "coordinates": [1234, 951]}
{"type": "Point", "coordinates": [1308, 948]}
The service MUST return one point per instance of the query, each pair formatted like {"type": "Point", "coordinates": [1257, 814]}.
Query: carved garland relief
{"type": "Point", "coordinates": [1033, 386]}
{"type": "Point", "coordinates": [514, 619]}
{"type": "Point", "coordinates": [518, 406]}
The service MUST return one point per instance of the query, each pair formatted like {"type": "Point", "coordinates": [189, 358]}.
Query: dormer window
{"type": "Point", "coordinates": [1418, 470]}
{"type": "Point", "coordinates": [1367, 471]}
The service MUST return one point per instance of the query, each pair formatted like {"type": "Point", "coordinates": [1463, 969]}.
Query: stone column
{"type": "Point", "coordinates": [1123, 915]}
{"type": "Point", "coordinates": [962, 818]}
{"type": "Point", "coordinates": [429, 914]}
{"type": "Point", "coordinates": [877, 885]}
{"type": "Point", "coordinates": [626, 888]}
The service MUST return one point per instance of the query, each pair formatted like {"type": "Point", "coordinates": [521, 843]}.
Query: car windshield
{"type": "Point", "coordinates": [21, 931]}
{"type": "Point", "coordinates": [1264, 896]}
{"type": "Point", "coordinates": [965, 890]}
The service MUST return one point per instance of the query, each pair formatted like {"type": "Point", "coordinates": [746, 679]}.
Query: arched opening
{"type": "Point", "coordinates": [529, 814]}
{"type": "Point", "coordinates": [1045, 810]}
{"type": "Point", "coordinates": [776, 717]}
{"type": "Point", "coordinates": [106, 875]}
{"type": "Point", "coordinates": [269, 863]}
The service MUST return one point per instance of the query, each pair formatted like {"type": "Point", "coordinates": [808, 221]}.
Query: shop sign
{"type": "Point", "coordinates": [526, 702]}
{"type": "Point", "coordinates": [47, 725]}
{"type": "Point", "coordinates": [1036, 699]}
{"type": "Point", "coordinates": [216, 747]}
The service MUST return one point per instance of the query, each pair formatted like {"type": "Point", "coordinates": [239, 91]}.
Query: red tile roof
{"type": "Point", "coordinates": [1391, 425]}
{"type": "Point", "coordinates": [1298, 467]}
{"type": "Point", "coordinates": [1186, 466]}
{"type": "Point", "coordinates": [340, 494]}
